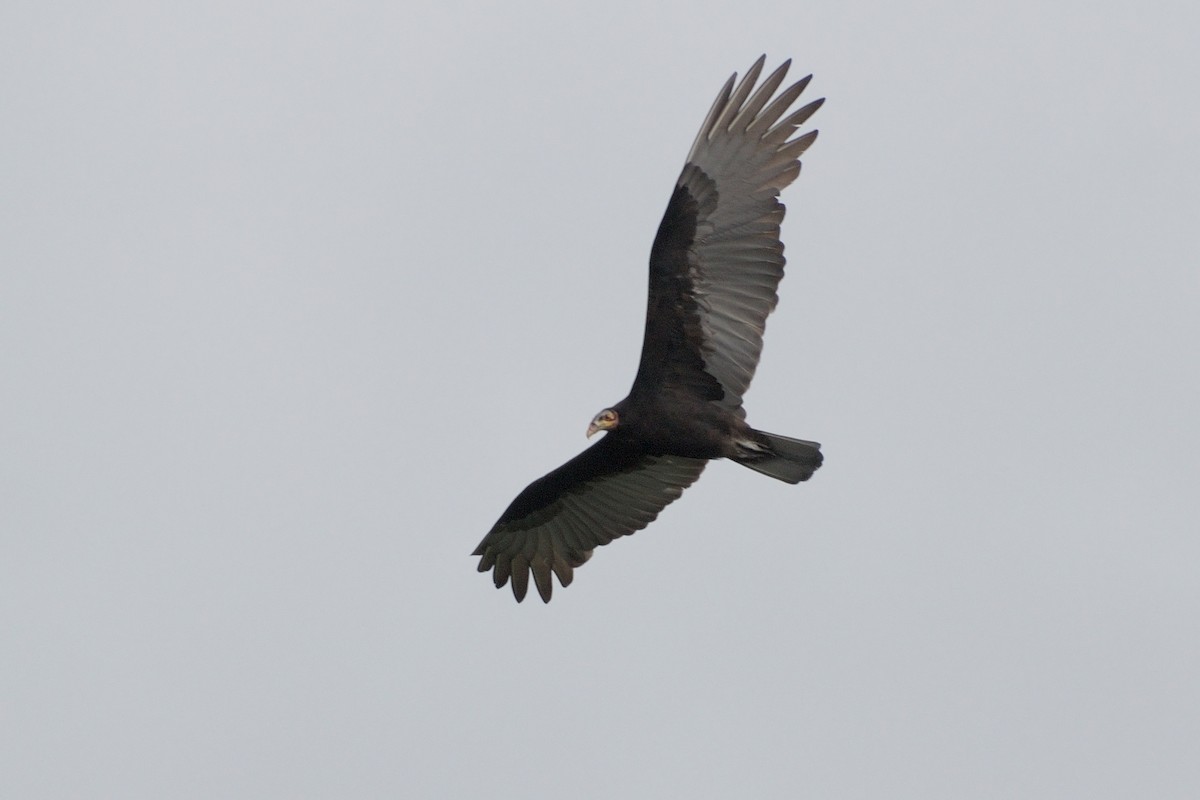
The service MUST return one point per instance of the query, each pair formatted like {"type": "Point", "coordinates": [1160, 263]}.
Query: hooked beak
{"type": "Point", "coordinates": [592, 429]}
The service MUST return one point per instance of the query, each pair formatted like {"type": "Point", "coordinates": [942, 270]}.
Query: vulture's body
{"type": "Point", "coordinates": [714, 268]}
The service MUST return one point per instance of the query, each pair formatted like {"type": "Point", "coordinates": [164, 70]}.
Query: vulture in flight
{"type": "Point", "coordinates": [714, 267]}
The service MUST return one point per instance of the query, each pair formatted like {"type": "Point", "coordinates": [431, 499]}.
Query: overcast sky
{"type": "Point", "coordinates": [296, 297]}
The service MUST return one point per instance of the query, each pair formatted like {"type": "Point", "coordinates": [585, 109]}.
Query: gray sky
{"type": "Point", "coordinates": [297, 297]}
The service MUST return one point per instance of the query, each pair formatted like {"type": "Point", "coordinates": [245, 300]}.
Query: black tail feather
{"type": "Point", "coordinates": [790, 460]}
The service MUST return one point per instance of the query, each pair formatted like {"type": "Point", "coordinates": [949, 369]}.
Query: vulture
{"type": "Point", "coordinates": [715, 264]}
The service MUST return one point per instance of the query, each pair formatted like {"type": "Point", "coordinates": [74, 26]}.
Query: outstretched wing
{"type": "Point", "coordinates": [611, 489]}
{"type": "Point", "coordinates": [717, 259]}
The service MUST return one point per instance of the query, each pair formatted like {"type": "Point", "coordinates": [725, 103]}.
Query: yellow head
{"type": "Point", "coordinates": [605, 420]}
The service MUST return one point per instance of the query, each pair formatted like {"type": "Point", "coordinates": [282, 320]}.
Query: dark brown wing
{"type": "Point", "coordinates": [717, 258]}
{"type": "Point", "coordinates": [611, 489]}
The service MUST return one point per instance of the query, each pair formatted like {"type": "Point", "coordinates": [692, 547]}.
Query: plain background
{"type": "Point", "coordinates": [297, 296]}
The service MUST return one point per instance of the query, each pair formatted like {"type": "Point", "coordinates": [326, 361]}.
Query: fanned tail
{"type": "Point", "coordinates": [787, 459]}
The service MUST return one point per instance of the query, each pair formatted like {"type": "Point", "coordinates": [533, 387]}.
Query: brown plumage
{"type": "Point", "coordinates": [714, 268]}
